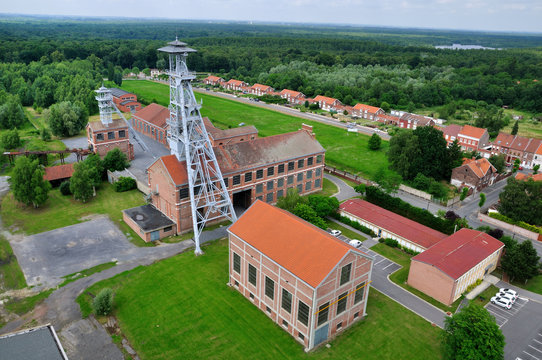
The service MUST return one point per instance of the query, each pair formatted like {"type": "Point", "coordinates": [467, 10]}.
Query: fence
{"type": "Point", "coordinates": [510, 227]}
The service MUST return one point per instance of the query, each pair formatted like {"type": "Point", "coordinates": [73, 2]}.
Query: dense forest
{"type": "Point", "coordinates": [46, 60]}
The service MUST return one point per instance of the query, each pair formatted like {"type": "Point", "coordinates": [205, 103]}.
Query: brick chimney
{"type": "Point", "coordinates": [308, 128]}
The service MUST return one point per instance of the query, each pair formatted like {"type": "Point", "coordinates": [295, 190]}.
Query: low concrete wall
{"type": "Point", "coordinates": [512, 228]}
{"type": "Point", "coordinates": [415, 192]}
{"type": "Point", "coordinates": [115, 175]}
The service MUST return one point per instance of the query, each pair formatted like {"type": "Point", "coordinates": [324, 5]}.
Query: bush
{"type": "Point", "coordinates": [103, 302]}
{"type": "Point", "coordinates": [409, 251]}
{"type": "Point", "coordinates": [115, 160]}
{"type": "Point", "coordinates": [65, 188]}
{"type": "Point", "coordinates": [472, 286]}
{"type": "Point", "coordinates": [391, 243]}
{"type": "Point", "coordinates": [124, 184]}
{"type": "Point", "coordinates": [496, 233]}
{"type": "Point", "coordinates": [355, 225]}
{"type": "Point", "coordinates": [10, 139]}
{"type": "Point", "coordinates": [521, 224]}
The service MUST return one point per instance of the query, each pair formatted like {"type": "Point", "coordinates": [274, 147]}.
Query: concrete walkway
{"type": "Point", "coordinates": [486, 282]}
{"type": "Point", "coordinates": [345, 190]}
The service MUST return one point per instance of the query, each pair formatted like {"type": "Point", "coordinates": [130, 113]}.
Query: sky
{"type": "Point", "coordinates": [485, 15]}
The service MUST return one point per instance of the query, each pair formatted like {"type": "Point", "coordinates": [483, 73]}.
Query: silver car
{"type": "Point", "coordinates": [501, 302]}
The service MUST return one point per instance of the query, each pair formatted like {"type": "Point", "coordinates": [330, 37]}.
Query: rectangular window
{"type": "Point", "coordinates": [286, 300]}
{"type": "Point", "coordinates": [356, 315]}
{"type": "Point", "coordinates": [99, 137]}
{"type": "Point", "coordinates": [280, 194]}
{"type": "Point", "coordinates": [183, 193]}
{"type": "Point", "coordinates": [323, 312]}
{"type": "Point", "coordinates": [317, 183]}
{"type": "Point", "coordinates": [291, 165]}
{"type": "Point", "coordinates": [308, 186]}
{"type": "Point", "coordinates": [168, 228]}
{"type": "Point", "coordinates": [226, 182]}
{"type": "Point", "coordinates": [259, 174]}
{"type": "Point", "coordinates": [300, 177]}
{"type": "Point", "coordinates": [122, 133]}
{"type": "Point", "coordinates": [269, 288]}
{"type": "Point", "coordinates": [299, 188]}
{"type": "Point", "coordinates": [300, 163]}
{"type": "Point", "coordinates": [301, 336]}
{"type": "Point", "coordinates": [341, 304]}
{"type": "Point", "coordinates": [317, 172]}
{"type": "Point", "coordinates": [309, 161]}
{"type": "Point", "coordinates": [236, 263]}
{"type": "Point", "coordinates": [270, 171]}
{"type": "Point", "coordinates": [303, 313]}
{"type": "Point", "coordinates": [281, 168]}
{"type": "Point", "coordinates": [285, 323]}
{"type": "Point", "coordinates": [270, 185]}
{"type": "Point", "coordinates": [309, 174]}
{"type": "Point", "coordinates": [319, 159]}
{"type": "Point", "coordinates": [110, 135]}
{"type": "Point", "coordinates": [259, 188]}
{"type": "Point", "coordinates": [345, 273]}
{"type": "Point", "coordinates": [248, 176]}
{"type": "Point", "coordinates": [340, 325]}
{"type": "Point", "coordinates": [269, 198]}
{"type": "Point", "coordinates": [251, 274]}
{"type": "Point", "coordinates": [360, 289]}
{"type": "Point", "coordinates": [280, 182]}
{"type": "Point", "coordinates": [290, 179]}
{"type": "Point", "coordinates": [236, 180]}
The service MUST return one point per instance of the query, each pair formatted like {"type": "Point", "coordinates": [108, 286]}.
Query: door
{"type": "Point", "coordinates": [321, 334]}
{"type": "Point", "coordinates": [155, 235]}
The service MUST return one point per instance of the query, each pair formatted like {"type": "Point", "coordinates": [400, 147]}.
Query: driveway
{"type": "Point", "coordinates": [345, 190]}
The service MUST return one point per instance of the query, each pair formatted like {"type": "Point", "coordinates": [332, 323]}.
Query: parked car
{"type": "Point", "coordinates": [335, 232]}
{"type": "Point", "coordinates": [506, 296]}
{"type": "Point", "coordinates": [501, 302]}
{"type": "Point", "coordinates": [509, 292]}
{"type": "Point", "coordinates": [355, 243]}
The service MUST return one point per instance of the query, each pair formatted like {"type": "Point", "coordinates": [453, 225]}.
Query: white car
{"type": "Point", "coordinates": [335, 232]}
{"type": "Point", "coordinates": [506, 296]}
{"type": "Point", "coordinates": [509, 292]}
{"type": "Point", "coordinates": [501, 302]}
{"type": "Point", "coordinates": [355, 243]}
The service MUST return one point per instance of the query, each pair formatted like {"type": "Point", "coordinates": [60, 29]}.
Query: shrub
{"type": "Point", "coordinates": [10, 139]}
{"type": "Point", "coordinates": [521, 224]}
{"type": "Point", "coordinates": [124, 184]}
{"type": "Point", "coordinates": [65, 188]}
{"type": "Point", "coordinates": [355, 225]}
{"type": "Point", "coordinates": [496, 233]}
{"type": "Point", "coordinates": [103, 302]}
{"type": "Point", "coordinates": [391, 242]}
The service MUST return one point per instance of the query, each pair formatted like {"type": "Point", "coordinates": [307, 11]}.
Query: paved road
{"type": "Point", "coordinates": [345, 190]}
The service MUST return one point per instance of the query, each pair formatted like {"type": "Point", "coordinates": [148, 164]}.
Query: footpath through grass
{"type": "Point", "coordinates": [344, 150]}
{"type": "Point", "coordinates": [181, 307]}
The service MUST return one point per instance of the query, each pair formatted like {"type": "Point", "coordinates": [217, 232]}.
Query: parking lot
{"type": "Point", "coordinates": [502, 315]}
{"type": "Point", "coordinates": [533, 351]}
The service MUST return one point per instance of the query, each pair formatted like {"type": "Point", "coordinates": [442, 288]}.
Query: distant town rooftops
{"type": "Point", "coordinates": [472, 131]}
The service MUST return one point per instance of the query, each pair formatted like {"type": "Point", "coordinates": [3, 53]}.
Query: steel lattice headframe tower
{"type": "Point", "coordinates": [189, 141]}
{"type": "Point", "coordinates": [105, 104]}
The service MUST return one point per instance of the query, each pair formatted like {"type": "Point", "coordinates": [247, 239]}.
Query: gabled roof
{"type": "Point", "coordinates": [533, 145]}
{"type": "Point", "coordinates": [480, 167]}
{"type": "Point", "coordinates": [58, 172]}
{"type": "Point", "coordinates": [418, 119]}
{"type": "Point", "coordinates": [451, 130]}
{"type": "Point", "coordinates": [235, 82]}
{"type": "Point", "coordinates": [525, 177]}
{"type": "Point", "coordinates": [539, 151]}
{"type": "Point", "coordinates": [387, 117]}
{"type": "Point", "coordinates": [306, 251]}
{"type": "Point", "coordinates": [291, 93]}
{"type": "Point", "coordinates": [261, 87]}
{"type": "Point", "coordinates": [520, 143]}
{"type": "Point", "coordinates": [460, 252]}
{"type": "Point", "coordinates": [218, 134]}
{"type": "Point", "coordinates": [326, 100]}
{"type": "Point", "coordinates": [154, 114]}
{"type": "Point", "coordinates": [369, 108]}
{"type": "Point", "coordinates": [213, 78]}
{"type": "Point", "coordinates": [397, 224]}
{"type": "Point", "coordinates": [267, 150]}
{"type": "Point", "coordinates": [472, 131]}
{"type": "Point", "coordinates": [175, 168]}
{"type": "Point", "coordinates": [504, 139]}
{"type": "Point", "coordinates": [116, 92]}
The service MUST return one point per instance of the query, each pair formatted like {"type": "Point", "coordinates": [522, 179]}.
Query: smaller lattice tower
{"type": "Point", "coordinates": [105, 104]}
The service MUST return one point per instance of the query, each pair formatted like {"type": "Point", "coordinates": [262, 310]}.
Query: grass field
{"type": "Point", "coordinates": [181, 307]}
{"type": "Point", "coordinates": [60, 211]}
{"type": "Point", "coordinates": [328, 188]}
{"type": "Point", "coordinates": [11, 276]}
{"type": "Point", "coordinates": [347, 151]}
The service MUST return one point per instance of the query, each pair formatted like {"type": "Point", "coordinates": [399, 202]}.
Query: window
{"type": "Point", "coordinates": [339, 325]}
{"type": "Point", "coordinates": [356, 315]}
{"type": "Point", "coordinates": [317, 183]}
{"type": "Point", "coordinates": [99, 137]}
{"type": "Point", "coordinates": [323, 312]}
{"type": "Point", "coordinates": [341, 304]}
{"type": "Point", "coordinates": [268, 309]}
{"type": "Point", "coordinates": [248, 177]}
{"type": "Point", "coordinates": [269, 288]}
{"type": "Point", "coordinates": [259, 174]}
{"type": "Point", "coordinates": [303, 313]}
{"type": "Point", "coordinates": [300, 177]}
{"type": "Point", "coordinates": [270, 185]}
{"type": "Point", "coordinates": [317, 172]}
{"type": "Point", "coordinates": [280, 194]}
{"type": "Point", "coordinates": [110, 135]}
{"type": "Point", "coordinates": [236, 283]}
{"type": "Point", "coordinates": [308, 186]}
{"type": "Point", "coordinates": [291, 165]}
{"type": "Point", "coordinates": [301, 336]}
{"type": "Point", "coordinates": [122, 133]}
{"type": "Point", "coordinates": [285, 323]}
{"type": "Point", "coordinates": [360, 289]}
{"type": "Point", "coordinates": [319, 159]}
{"type": "Point", "coordinates": [300, 163]}
{"type": "Point", "coordinates": [183, 193]}
{"type": "Point", "coordinates": [281, 169]}
{"type": "Point", "coordinates": [309, 174]}
{"type": "Point", "coordinates": [152, 131]}
{"type": "Point", "coordinates": [299, 188]}
{"type": "Point", "coordinates": [345, 274]}
{"type": "Point", "coordinates": [236, 263]}
{"type": "Point", "coordinates": [251, 296]}
{"type": "Point", "coordinates": [226, 182]}
{"type": "Point", "coordinates": [236, 180]}
{"type": "Point", "coordinates": [280, 182]}
{"type": "Point", "coordinates": [269, 198]}
{"type": "Point", "coordinates": [286, 300]}
{"type": "Point", "coordinates": [251, 274]}
{"type": "Point", "coordinates": [168, 228]}
{"type": "Point", "coordinates": [309, 161]}
{"type": "Point", "coordinates": [290, 180]}
{"type": "Point", "coordinates": [259, 188]}
{"type": "Point", "coordinates": [270, 171]}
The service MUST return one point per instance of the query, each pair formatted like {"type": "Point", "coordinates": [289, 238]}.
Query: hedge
{"type": "Point", "coordinates": [124, 184]}
{"type": "Point", "coordinates": [521, 224]}
{"type": "Point", "coordinates": [355, 225]}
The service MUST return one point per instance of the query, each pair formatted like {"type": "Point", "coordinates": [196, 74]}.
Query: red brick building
{"type": "Point", "coordinates": [502, 144]}
{"type": "Point", "coordinates": [327, 103]}
{"type": "Point", "coordinates": [213, 80]}
{"type": "Point", "coordinates": [472, 138]}
{"type": "Point", "coordinates": [475, 174]}
{"type": "Point", "coordinates": [229, 136]}
{"type": "Point", "coordinates": [151, 121]}
{"type": "Point", "coordinates": [103, 138]}
{"type": "Point", "coordinates": [451, 132]}
{"type": "Point", "coordinates": [310, 283]}
{"type": "Point", "coordinates": [236, 85]}
{"type": "Point", "coordinates": [125, 101]}
{"type": "Point", "coordinates": [293, 97]}
{"type": "Point", "coordinates": [259, 90]}
{"type": "Point", "coordinates": [445, 270]}
{"type": "Point", "coordinates": [366, 111]}
{"type": "Point", "coordinates": [412, 121]}
{"type": "Point", "coordinates": [387, 119]}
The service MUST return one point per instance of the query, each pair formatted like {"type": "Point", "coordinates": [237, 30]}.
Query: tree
{"type": "Point", "coordinates": [434, 160]}
{"type": "Point", "coordinates": [323, 205]}
{"type": "Point", "coordinates": [389, 182]}
{"type": "Point", "coordinates": [455, 155]}
{"type": "Point", "coordinates": [499, 162]}
{"type": "Point", "coordinates": [307, 213]}
{"type": "Point", "coordinates": [403, 151]}
{"type": "Point", "coordinates": [291, 199]}
{"type": "Point", "coordinates": [521, 261]}
{"type": "Point", "coordinates": [385, 106]}
{"type": "Point", "coordinates": [81, 182]}
{"type": "Point", "coordinates": [482, 200]}
{"type": "Point", "coordinates": [535, 169]}
{"type": "Point", "coordinates": [45, 134]}
{"type": "Point", "coordinates": [103, 302]}
{"type": "Point", "coordinates": [522, 201]}
{"type": "Point", "coordinates": [515, 167]}
{"type": "Point", "coordinates": [496, 233]}
{"type": "Point", "coordinates": [10, 140]}
{"type": "Point", "coordinates": [515, 128]}
{"type": "Point", "coordinates": [96, 168]}
{"type": "Point", "coordinates": [306, 104]}
{"type": "Point", "coordinates": [66, 118]}
{"type": "Point", "coordinates": [27, 182]}
{"type": "Point", "coordinates": [65, 188]}
{"type": "Point", "coordinates": [11, 114]}
{"type": "Point", "coordinates": [472, 334]}
{"type": "Point", "coordinates": [464, 193]}
{"type": "Point", "coordinates": [115, 160]}
{"type": "Point", "coordinates": [161, 64]}
{"type": "Point", "coordinates": [375, 142]}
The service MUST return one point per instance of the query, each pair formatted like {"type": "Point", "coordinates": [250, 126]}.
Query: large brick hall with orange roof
{"type": "Point", "coordinates": [307, 281]}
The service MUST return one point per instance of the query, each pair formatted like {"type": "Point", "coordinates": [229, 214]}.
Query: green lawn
{"type": "Point", "coordinates": [486, 295]}
{"type": "Point", "coordinates": [181, 308]}
{"type": "Point", "coordinates": [11, 276]}
{"type": "Point", "coordinates": [346, 232]}
{"type": "Point", "coordinates": [60, 211]}
{"type": "Point", "coordinates": [344, 150]}
{"type": "Point", "coordinates": [400, 277]}
{"type": "Point", "coordinates": [328, 188]}
{"type": "Point", "coordinates": [534, 284]}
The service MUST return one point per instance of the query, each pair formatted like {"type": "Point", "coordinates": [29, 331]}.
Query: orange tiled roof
{"type": "Point", "coordinates": [292, 93]}
{"type": "Point", "coordinates": [213, 78]}
{"type": "Point", "coordinates": [480, 166]}
{"type": "Point", "coordinates": [369, 108]}
{"type": "Point", "coordinates": [539, 151]}
{"type": "Point", "coordinates": [472, 131]}
{"type": "Point", "coordinates": [504, 139]}
{"type": "Point", "coordinates": [154, 114]}
{"type": "Point", "coordinates": [176, 169]}
{"type": "Point", "coordinates": [534, 144]}
{"type": "Point", "coordinates": [326, 100]}
{"type": "Point", "coordinates": [306, 251]}
{"type": "Point", "coordinates": [519, 143]}
{"type": "Point", "coordinates": [525, 177]}
{"type": "Point", "coordinates": [58, 172]}
{"type": "Point", "coordinates": [235, 82]}
{"type": "Point", "coordinates": [261, 87]}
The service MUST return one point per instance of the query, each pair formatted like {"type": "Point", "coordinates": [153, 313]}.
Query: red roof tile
{"type": "Point", "coordinates": [308, 252]}
{"type": "Point", "coordinates": [58, 172]}
{"type": "Point", "coordinates": [451, 130]}
{"type": "Point", "coordinates": [472, 131]}
{"type": "Point", "coordinates": [213, 78]}
{"type": "Point", "coordinates": [460, 252]}
{"type": "Point", "coordinates": [291, 93]}
{"type": "Point", "coordinates": [369, 108]}
{"type": "Point", "coordinates": [539, 151]}
{"type": "Point", "coordinates": [326, 100]}
{"type": "Point", "coordinates": [520, 143]}
{"type": "Point", "coordinates": [397, 224]}
{"type": "Point", "coordinates": [533, 145]}
{"type": "Point", "coordinates": [525, 177]}
{"type": "Point", "coordinates": [235, 82]}
{"type": "Point", "coordinates": [480, 167]}
{"type": "Point", "coordinates": [176, 169]}
{"type": "Point", "coordinates": [261, 87]}
{"type": "Point", "coordinates": [154, 114]}
{"type": "Point", "coordinates": [504, 139]}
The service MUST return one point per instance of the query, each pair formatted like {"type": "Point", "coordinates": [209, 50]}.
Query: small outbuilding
{"type": "Point", "coordinates": [58, 174]}
{"type": "Point", "coordinates": [148, 222]}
